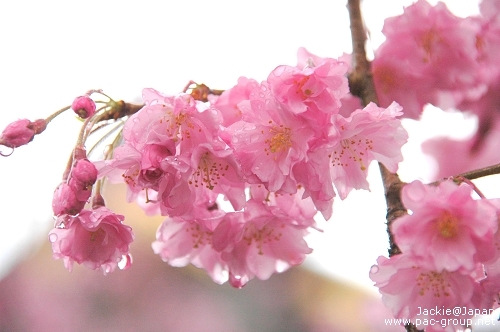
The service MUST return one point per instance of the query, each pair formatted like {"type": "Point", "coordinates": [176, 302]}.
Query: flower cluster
{"type": "Point", "coordinates": [450, 251]}
{"type": "Point", "coordinates": [240, 174]}
{"type": "Point", "coordinates": [96, 238]}
{"type": "Point", "coordinates": [431, 56]}
{"type": "Point", "coordinates": [275, 150]}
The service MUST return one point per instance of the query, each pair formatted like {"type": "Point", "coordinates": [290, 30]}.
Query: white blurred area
{"type": "Point", "coordinates": [53, 51]}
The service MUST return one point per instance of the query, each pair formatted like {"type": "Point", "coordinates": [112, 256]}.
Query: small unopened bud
{"type": "Point", "coordinates": [84, 173]}
{"type": "Point", "coordinates": [66, 201]}
{"type": "Point", "coordinates": [84, 106]}
{"type": "Point", "coordinates": [21, 132]}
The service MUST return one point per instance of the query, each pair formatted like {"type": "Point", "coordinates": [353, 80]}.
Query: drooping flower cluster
{"type": "Point", "coordinates": [449, 243]}
{"type": "Point", "coordinates": [273, 150]}
{"type": "Point", "coordinates": [94, 237]}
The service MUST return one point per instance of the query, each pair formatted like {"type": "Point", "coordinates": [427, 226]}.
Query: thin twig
{"type": "Point", "coordinates": [482, 172]}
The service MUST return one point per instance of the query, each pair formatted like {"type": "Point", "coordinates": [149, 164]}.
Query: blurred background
{"type": "Point", "coordinates": [53, 51]}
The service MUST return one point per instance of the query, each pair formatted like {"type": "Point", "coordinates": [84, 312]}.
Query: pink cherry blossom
{"type": "Point", "coordinates": [429, 56]}
{"type": "Point", "coordinates": [260, 241]}
{"type": "Point", "coordinates": [149, 174]}
{"type": "Point", "coordinates": [315, 177]}
{"type": "Point", "coordinates": [216, 172]}
{"type": "Point", "coordinates": [408, 288]}
{"type": "Point", "coordinates": [268, 141]}
{"type": "Point", "coordinates": [95, 238]}
{"type": "Point", "coordinates": [488, 40]}
{"type": "Point", "coordinates": [368, 134]}
{"type": "Point", "coordinates": [372, 133]}
{"type": "Point", "coordinates": [296, 205]}
{"type": "Point", "coordinates": [315, 85]}
{"type": "Point", "coordinates": [447, 226]}
{"type": "Point", "coordinates": [179, 118]}
{"type": "Point", "coordinates": [182, 241]}
{"type": "Point", "coordinates": [83, 106]}
{"type": "Point", "coordinates": [227, 102]}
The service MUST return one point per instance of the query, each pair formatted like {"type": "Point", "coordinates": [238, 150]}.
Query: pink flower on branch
{"type": "Point", "coordinates": [368, 134]}
{"type": "Point", "coordinates": [268, 141]}
{"type": "Point", "coordinates": [315, 85]}
{"type": "Point", "coordinates": [260, 241]}
{"type": "Point", "coordinates": [447, 226]}
{"type": "Point", "coordinates": [216, 172]}
{"type": "Point", "coordinates": [179, 118]}
{"type": "Point", "coordinates": [411, 289]}
{"type": "Point", "coordinates": [181, 241]}
{"type": "Point", "coordinates": [429, 56]}
{"type": "Point", "coordinates": [372, 133]}
{"type": "Point", "coordinates": [95, 238]}
{"type": "Point", "coordinates": [227, 102]}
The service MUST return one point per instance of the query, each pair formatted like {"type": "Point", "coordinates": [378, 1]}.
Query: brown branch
{"type": "Point", "coordinates": [471, 175]}
{"type": "Point", "coordinates": [482, 172]}
{"type": "Point", "coordinates": [122, 109]}
{"type": "Point", "coordinates": [361, 84]}
{"type": "Point", "coordinates": [360, 79]}
{"type": "Point", "coordinates": [119, 110]}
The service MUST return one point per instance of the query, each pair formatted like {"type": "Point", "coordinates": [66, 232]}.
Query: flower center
{"type": "Point", "coordinates": [261, 236]}
{"type": "Point", "coordinates": [434, 282]}
{"type": "Point", "coordinates": [303, 93]}
{"type": "Point", "coordinates": [208, 172]}
{"type": "Point", "coordinates": [447, 225]}
{"type": "Point", "coordinates": [200, 236]}
{"type": "Point", "coordinates": [356, 149]}
{"type": "Point", "coordinates": [280, 140]}
{"type": "Point", "coordinates": [427, 42]}
{"type": "Point", "coordinates": [178, 126]}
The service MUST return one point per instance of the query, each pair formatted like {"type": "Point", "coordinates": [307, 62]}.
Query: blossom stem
{"type": "Point", "coordinates": [52, 116]}
{"type": "Point", "coordinates": [80, 143]}
{"type": "Point", "coordinates": [470, 184]}
{"type": "Point", "coordinates": [97, 199]}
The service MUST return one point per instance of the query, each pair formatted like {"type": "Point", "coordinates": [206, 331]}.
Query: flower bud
{"type": "Point", "coordinates": [65, 201]}
{"type": "Point", "coordinates": [84, 172]}
{"type": "Point", "coordinates": [21, 132]}
{"type": "Point", "coordinates": [84, 106]}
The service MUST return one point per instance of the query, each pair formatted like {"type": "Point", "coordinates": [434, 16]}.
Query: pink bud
{"type": "Point", "coordinates": [21, 132]}
{"type": "Point", "coordinates": [84, 106]}
{"type": "Point", "coordinates": [84, 172]}
{"type": "Point", "coordinates": [65, 201]}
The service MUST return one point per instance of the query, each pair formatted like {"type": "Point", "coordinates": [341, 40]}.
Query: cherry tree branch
{"type": "Point", "coordinates": [361, 84]}
{"type": "Point", "coordinates": [482, 172]}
